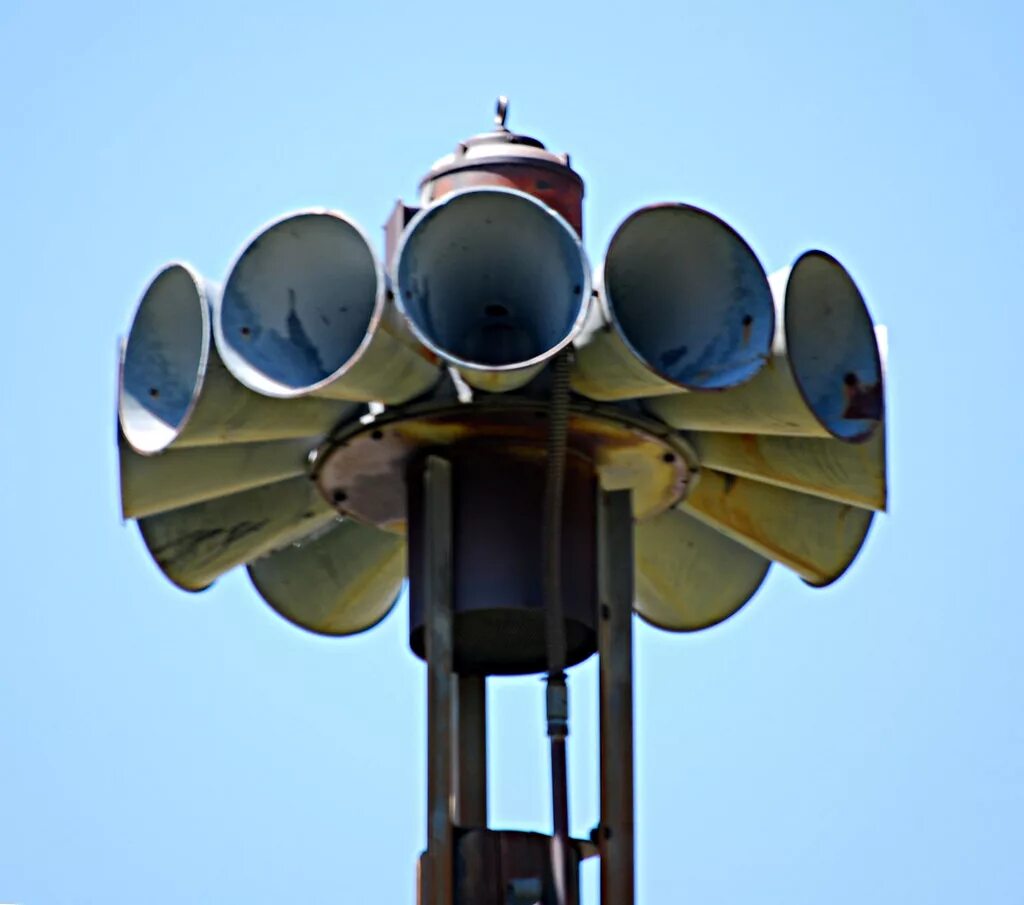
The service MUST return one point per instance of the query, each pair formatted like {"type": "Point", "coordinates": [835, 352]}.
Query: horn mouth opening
{"type": "Point", "coordinates": [163, 362]}
{"type": "Point", "coordinates": [689, 297]}
{"type": "Point", "coordinates": [491, 279]}
{"type": "Point", "coordinates": [300, 304]}
{"type": "Point", "coordinates": [832, 348]}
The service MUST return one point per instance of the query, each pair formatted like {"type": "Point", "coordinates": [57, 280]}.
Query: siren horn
{"type": "Point", "coordinates": [494, 282]}
{"type": "Point", "coordinates": [181, 477]}
{"type": "Point", "coordinates": [195, 545]}
{"type": "Point", "coordinates": [684, 305]}
{"type": "Point", "coordinates": [173, 390]}
{"type": "Point", "coordinates": [816, 538]}
{"type": "Point", "coordinates": [825, 375]}
{"type": "Point", "coordinates": [339, 582]}
{"type": "Point", "coordinates": [306, 311]}
{"type": "Point", "coordinates": [689, 576]}
{"type": "Point", "coordinates": [851, 473]}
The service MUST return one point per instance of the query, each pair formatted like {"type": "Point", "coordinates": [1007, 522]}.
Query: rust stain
{"type": "Point", "coordinates": [562, 194]}
{"type": "Point", "coordinates": [748, 328]}
{"type": "Point", "coordinates": [863, 401]}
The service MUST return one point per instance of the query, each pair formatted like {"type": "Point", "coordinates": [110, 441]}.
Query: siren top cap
{"type": "Point", "coordinates": [163, 361]}
{"type": "Point", "coordinates": [499, 146]}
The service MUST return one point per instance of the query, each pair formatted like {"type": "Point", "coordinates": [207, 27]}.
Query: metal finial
{"type": "Point", "coordinates": [501, 112]}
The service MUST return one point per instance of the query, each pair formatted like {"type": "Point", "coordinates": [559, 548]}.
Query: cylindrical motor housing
{"type": "Point", "coordinates": [497, 543]}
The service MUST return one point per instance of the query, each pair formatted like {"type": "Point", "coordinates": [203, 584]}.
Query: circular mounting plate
{"type": "Point", "coordinates": [361, 470]}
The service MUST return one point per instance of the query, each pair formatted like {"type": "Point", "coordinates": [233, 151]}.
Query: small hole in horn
{"type": "Point", "coordinates": [245, 331]}
{"type": "Point", "coordinates": [154, 392]}
{"type": "Point", "coordinates": [850, 379]}
{"type": "Point", "coordinates": [339, 496]}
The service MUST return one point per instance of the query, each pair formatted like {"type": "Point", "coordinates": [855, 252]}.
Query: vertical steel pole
{"type": "Point", "coordinates": [561, 864]}
{"type": "Point", "coordinates": [470, 778]}
{"type": "Point", "coordinates": [441, 692]}
{"type": "Point", "coordinates": [615, 649]}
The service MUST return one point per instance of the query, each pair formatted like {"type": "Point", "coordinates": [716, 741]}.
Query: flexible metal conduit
{"type": "Point", "coordinates": [557, 695]}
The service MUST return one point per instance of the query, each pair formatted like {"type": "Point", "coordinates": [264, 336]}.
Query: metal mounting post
{"type": "Point", "coordinates": [441, 681]}
{"type": "Point", "coordinates": [615, 649]}
{"type": "Point", "coordinates": [470, 779]}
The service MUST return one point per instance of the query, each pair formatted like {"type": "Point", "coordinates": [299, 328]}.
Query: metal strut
{"type": "Point", "coordinates": [441, 685]}
{"type": "Point", "coordinates": [615, 658]}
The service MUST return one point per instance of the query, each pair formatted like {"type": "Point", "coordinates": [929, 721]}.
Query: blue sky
{"type": "Point", "coordinates": [860, 743]}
